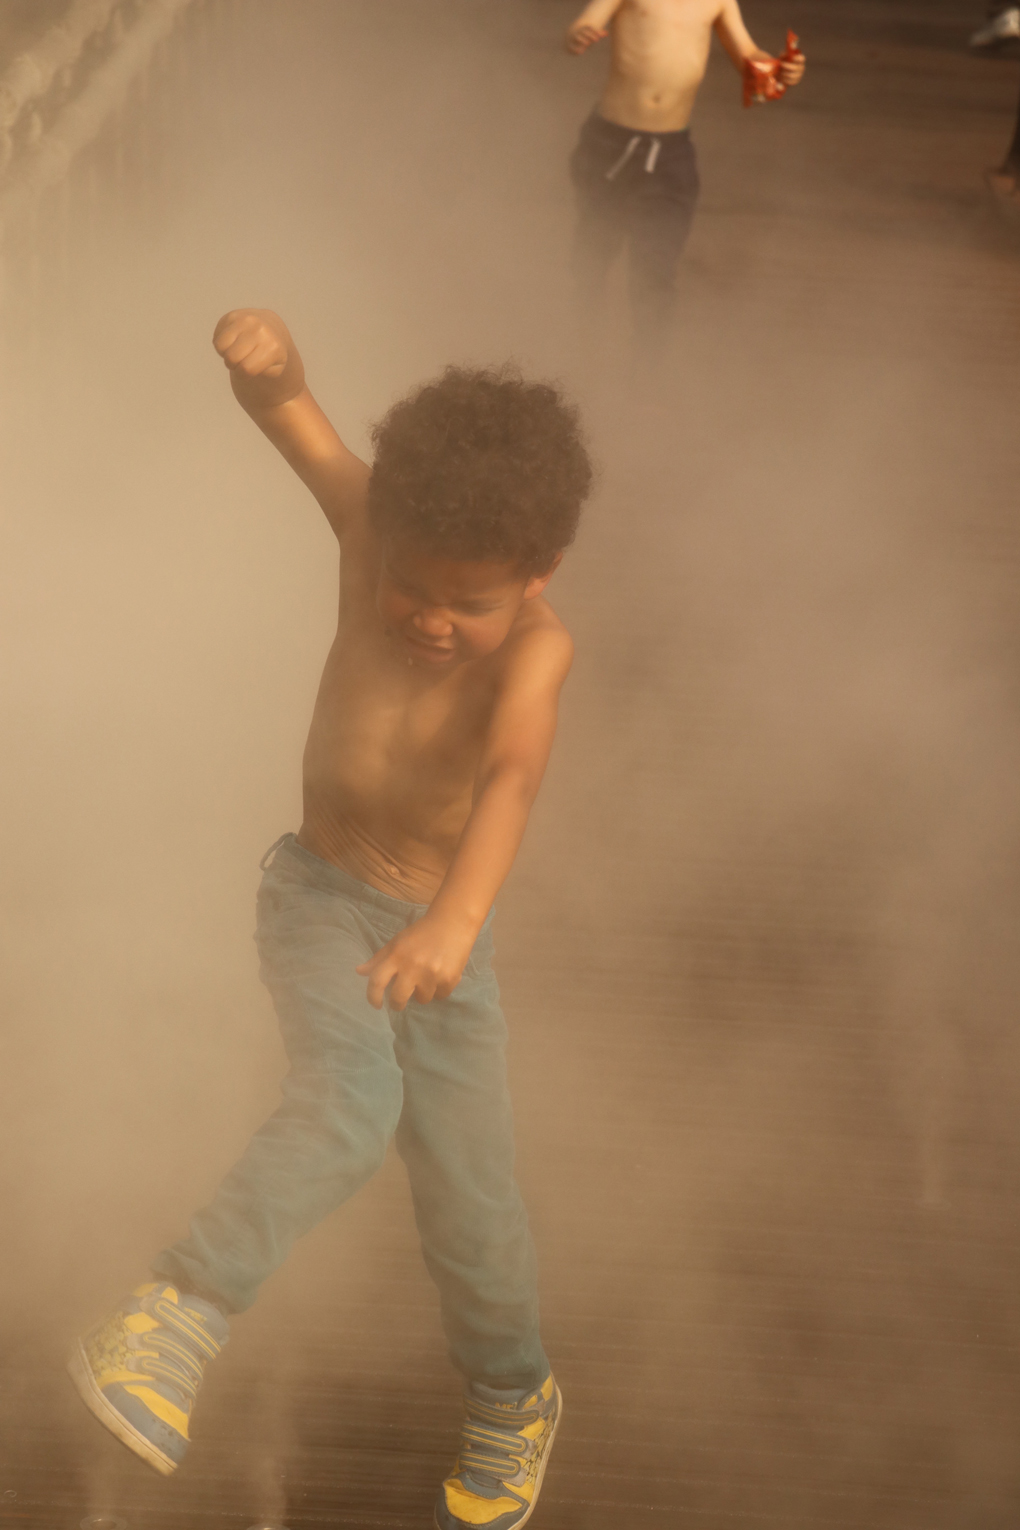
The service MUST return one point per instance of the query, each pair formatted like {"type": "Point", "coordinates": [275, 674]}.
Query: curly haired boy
{"type": "Point", "coordinates": [433, 724]}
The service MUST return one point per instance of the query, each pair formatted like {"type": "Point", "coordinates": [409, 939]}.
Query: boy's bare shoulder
{"type": "Point", "coordinates": [538, 651]}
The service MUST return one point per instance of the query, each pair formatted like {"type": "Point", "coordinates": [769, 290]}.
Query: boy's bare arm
{"type": "Point", "coordinates": [740, 45]}
{"type": "Point", "coordinates": [426, 960]}
{"type": "Point", "coordinates": [592, 25]}
{"type": "Point", "coordinates": [268, 379]}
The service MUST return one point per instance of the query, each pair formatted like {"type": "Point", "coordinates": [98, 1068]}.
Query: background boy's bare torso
{"type": "Point", "coordinates": [659, 56]}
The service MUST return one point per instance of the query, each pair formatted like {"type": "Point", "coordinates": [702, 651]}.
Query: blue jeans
{"type": "Point", "coordinates": [434, 1075]}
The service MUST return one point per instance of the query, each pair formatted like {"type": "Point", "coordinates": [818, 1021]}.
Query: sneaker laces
{"type": "Point", "coordinates": [492, 1448]}
{"type": "Point", "coordinates": [175, 1353]}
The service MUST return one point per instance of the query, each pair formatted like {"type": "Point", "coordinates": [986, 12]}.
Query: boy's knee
{"type": "Point", "coordinates": [359, 1113]}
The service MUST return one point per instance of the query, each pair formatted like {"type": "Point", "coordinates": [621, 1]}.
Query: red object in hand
{"type": "Point", "coordinates": [761, 75]}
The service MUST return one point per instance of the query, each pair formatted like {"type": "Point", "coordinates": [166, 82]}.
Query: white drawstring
{"type": "Point", "coordinates": [624, 157]}
{"type": "Point", "coordinates": [650, 162]}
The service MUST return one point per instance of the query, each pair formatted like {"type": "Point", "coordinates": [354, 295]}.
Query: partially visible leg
{"type": "Point", "coordinates": [662, 216]}
{"type": "Point", "coordinates": [1004, 181]}
{"type": "Point", "coordinates": [598, 240]}
{"type": "Point", "coordinates": [1012, 160]}
{"type": "Point", "coordinates": [601, 225]}
{"type": "Point", "coordinates": [456, 1138]}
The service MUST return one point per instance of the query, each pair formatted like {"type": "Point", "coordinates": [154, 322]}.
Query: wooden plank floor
{"type": "Point", "coordinates": [759, 956]}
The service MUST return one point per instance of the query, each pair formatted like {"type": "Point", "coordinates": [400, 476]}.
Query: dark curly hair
{"type": "Point", "coordinates": [481, 464]}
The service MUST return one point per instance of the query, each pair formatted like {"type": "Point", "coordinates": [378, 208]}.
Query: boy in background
{"type": "Point", "coordinates": [430, 735]}
{"type": "Point", "coordinates": [634, 168]}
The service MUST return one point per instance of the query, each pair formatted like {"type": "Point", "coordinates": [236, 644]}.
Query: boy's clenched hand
{"type": "Point", "coordinates": [791, 69]}
{"type": "Point", "coordinates": [265, 368]}
{"type": "Point", "coordinates": [424, 962]}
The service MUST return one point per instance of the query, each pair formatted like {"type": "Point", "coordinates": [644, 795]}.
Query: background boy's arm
{"type": "Point", "coordinates": [592, 25]}
{"type": "Point", "coordinates": [426, 960]}
{"type": "Point", "coordinates": [268, 379]}
{"type": "Point", "coordinates": [740, 45]}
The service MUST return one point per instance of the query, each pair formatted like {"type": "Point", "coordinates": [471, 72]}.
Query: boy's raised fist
{"type": "Point", "coordinates": [253, 341]}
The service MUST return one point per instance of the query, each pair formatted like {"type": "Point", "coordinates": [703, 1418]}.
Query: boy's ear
{"type": "Point", "coordinates": [537, 583]}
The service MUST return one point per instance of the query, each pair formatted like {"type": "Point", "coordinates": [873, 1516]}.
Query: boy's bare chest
{"type": "Point", "coordinates": [664, 29]}
{"type": "Point", "coordinates": [381, 728]}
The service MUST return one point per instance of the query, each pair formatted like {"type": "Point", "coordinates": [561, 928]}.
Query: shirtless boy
{"type": "Point", "coordinates": [429, 739]}
{"type": "Point", "coordinates": [634, 167]}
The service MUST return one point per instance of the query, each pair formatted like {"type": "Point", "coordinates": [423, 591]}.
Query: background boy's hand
{"type": "Point", "coordinates": [791, 70]}
{"type": "Point", "coordinates": [424, 962]}
{"type": "Point", "coordinates": [581, 36]}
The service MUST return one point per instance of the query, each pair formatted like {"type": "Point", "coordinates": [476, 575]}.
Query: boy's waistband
{"type": "Point", "coordinates": [615, 132]}
{"type": "Point", "coordinates": [288, 854]}
{"type": "Point", "coordinates": [292, 857]}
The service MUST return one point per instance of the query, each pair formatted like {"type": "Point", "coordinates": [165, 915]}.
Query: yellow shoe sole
{"type": "Point", "coordinates": [85, 1384]}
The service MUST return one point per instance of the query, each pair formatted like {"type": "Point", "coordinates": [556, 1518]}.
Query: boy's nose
{"type": "Point", "coordinates": [433, 623]}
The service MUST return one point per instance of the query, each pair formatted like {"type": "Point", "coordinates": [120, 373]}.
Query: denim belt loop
{"type": "Point", "coordinates": [264, 862]}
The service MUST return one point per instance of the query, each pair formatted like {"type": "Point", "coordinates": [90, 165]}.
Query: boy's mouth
{"type": "Point", "coordinates": [429, 653]}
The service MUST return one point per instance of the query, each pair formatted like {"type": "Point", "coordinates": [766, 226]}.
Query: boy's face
{"type": "Point", "coordinates": [443, 611]}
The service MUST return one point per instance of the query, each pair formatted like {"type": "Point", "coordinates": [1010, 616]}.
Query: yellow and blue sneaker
{"type": "Point", "coordinates": [504, 1451]}
{"type": "Point", "coordinates": [140, 1370]}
